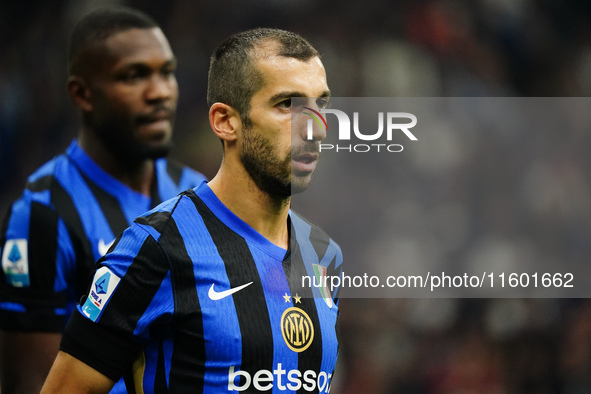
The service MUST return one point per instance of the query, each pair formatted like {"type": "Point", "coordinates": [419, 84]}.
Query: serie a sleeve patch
{"type": "Point", "coordinates": [15, 262]}
{"type": "Point", "coordinates": [104, 284]}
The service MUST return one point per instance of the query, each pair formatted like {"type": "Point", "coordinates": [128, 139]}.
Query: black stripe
{"type": "Point", "coordinates": [174, 170]}
{"type": "Point", "coordinates": [3, 229]}
{"type": "Point", "coordinates": [42, 247]}
{"type": "Point", "coordinates": [319, 240]}
{"type": "Point", "coordinates": [128, 380]}
{"type": "Point", "coordinates": [294, 268]}
{"type": "Point", "coordinates": [251, 307]}
{"type": "Point", "coordinates": [160, 374]}
{"type": "Point", "coordinates": [155, 193]}
{"type": "Point", "coordinates": [40, 184]}
{"type": "Point", "coordinates": [109, 206]}
{"type": "Point", "coordinates": [25, 322]}
{"type": "Point", "coordinates": [112, 355]}
{"type": "Point", "coordinates": [157, 220]}
{"type": "Point", "coordinates": [42, 270]}
{"type": "Point", "coordinates": [63, 203]}
{"type": "Point", "coordinates": [187, 364]}
{"type": "Point", "coordinates": [137, 287]}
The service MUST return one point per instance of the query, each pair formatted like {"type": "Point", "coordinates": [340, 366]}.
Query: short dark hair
{"type": "Point", "coordinates": [95, 27]}
{"type": "Point", "coordinates": [233, 77]}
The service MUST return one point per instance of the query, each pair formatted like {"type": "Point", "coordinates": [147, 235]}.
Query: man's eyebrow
{"type": "Point", "coordinates": [286, 95]}
{"type": "Point", "coordinates": [172, 62]}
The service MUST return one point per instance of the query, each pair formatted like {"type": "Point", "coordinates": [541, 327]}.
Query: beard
{"type": "Point", "coordinates": [119, 136]}
{"type": "Point", "coordinates": [272, 174]}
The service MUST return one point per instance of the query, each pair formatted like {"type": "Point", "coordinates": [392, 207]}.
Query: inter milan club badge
{"type": "Point", "coordinates": [297, 329]}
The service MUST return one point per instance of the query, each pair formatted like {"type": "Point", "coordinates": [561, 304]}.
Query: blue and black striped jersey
{"type": "Point", "coordinates": [65, 220]}
{"type": "Point", "coordinates": [209, 305]}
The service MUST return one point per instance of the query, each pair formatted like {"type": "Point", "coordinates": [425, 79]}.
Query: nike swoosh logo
{"type": "Point", "coordinates": [218, 295]}
{"type": "Point", "coordinates": [104, 248]}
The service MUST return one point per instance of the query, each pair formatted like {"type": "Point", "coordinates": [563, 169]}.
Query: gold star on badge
{"type": "Point", "coordinates": [287, 298]}
{"type": "Point", "coordinates": [298, 299]}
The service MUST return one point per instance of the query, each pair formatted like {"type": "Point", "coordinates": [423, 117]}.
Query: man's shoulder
{"type": "Point", "coordinates": [180, 209]}
{"type": "Point", "coordinates": [44, 176]}
{"type": "Point", "coordinates": [180, 174]}
{"type": "Point", "coordinates": [42, 183]}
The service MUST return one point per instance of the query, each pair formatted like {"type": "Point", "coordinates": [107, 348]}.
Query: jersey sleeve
{"type": "Point", "coordinates": [130, 292]}
{"type": "Point", "coordinates": [37, 260]}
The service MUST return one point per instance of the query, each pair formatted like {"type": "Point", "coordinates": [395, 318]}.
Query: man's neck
{"type": "Point", "coordinates": [138, 175]}
{"type": "Point", "coordinates": [265, 214]}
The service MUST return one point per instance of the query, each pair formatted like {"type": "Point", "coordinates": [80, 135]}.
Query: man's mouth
{"type": "Point", "coordinates": [157, 124]}
{"type": "Point", "coordinates": [304, 162]}
{"type": "Point", "coordinates": [159, 116]}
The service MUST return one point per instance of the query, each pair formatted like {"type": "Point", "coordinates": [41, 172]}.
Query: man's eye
{"type": "Point", "coordinates": [134, 74]}
{"type": "Point", "coordinates": [284, 103]}
{"type": "Point", "coordinates": [322, 102]}
{"type": "Point", "coordinates": [168, 72]}
{"type": "Point", "coordinates": [129, 76]}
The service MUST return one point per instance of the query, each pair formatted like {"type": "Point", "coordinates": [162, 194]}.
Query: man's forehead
{"type": "Point", "coordinates": [129, 46]}
{"type": "Point", "coordinates": [134, 40]}
{"type": "Point", "coordinates": [285, 65]}
{"type": "Point", "coordinates": [285, 76]}
{"type": "Point", "coordinates": [264, 49]}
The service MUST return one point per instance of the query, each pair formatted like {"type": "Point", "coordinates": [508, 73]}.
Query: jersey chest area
{"type": "Point", "coordinates": [257, 320]}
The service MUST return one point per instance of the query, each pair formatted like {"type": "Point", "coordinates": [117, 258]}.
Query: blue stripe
{"type": "Point", "coordinates": [65, 259]}
{"type": "Point", "coordinates": [161, 305]}
{"type": "Point", "coordinates": [275, 286]}
{"type": "Point", "coordinates": [61, 311]}
{"type": "Point", "coordinates": [12, 306]}
{"type": "Point", "coordinates": [302, 233]}
{"type": "Point", "coordinates": [210, 270]}
{"type": "Point", "coordinates": [325, 314]}
{"type": "Point", "coordinates": [132, 203]}
{"type": "Point", "coordinates": [165, 183]}
{"type": "Point", "coordinates": [121, 257]}
{"type": "Point", "coordinates": [18, 225]}
{"type": "Point", "coordinates": [188, 177]}
{"type": "Point", "coordinates": [93, 220]}
{"type": "Point", "coordinates": [46, 169]}
{"type": "Point", "coordinates": [302, 230]}
{"type": "Point", "coordinates": [236, 224]}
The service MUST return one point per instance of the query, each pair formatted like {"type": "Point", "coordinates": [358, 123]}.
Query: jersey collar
{"type": "Point", "coordinates": [236, 224]}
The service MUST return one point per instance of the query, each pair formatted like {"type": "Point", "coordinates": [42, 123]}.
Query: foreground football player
{"type": "Point", "coordinates": [204, 293]}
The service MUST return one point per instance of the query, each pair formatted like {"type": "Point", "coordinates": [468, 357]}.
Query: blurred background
{"type": "Point", "coordinates": [426, 48]}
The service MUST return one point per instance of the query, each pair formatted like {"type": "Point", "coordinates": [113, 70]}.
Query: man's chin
{"type": "Point", "coordinates": [149, 151]}
{"type": "Point", "coordinates": [158, 151]}
{"type": "Point", "coordinates": [300, 184]}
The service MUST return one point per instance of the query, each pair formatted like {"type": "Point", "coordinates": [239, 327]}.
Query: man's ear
{"type": "Point", "coordinates": [79, 92]}
{"type": "Point", "coordinates": [224, 121]}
